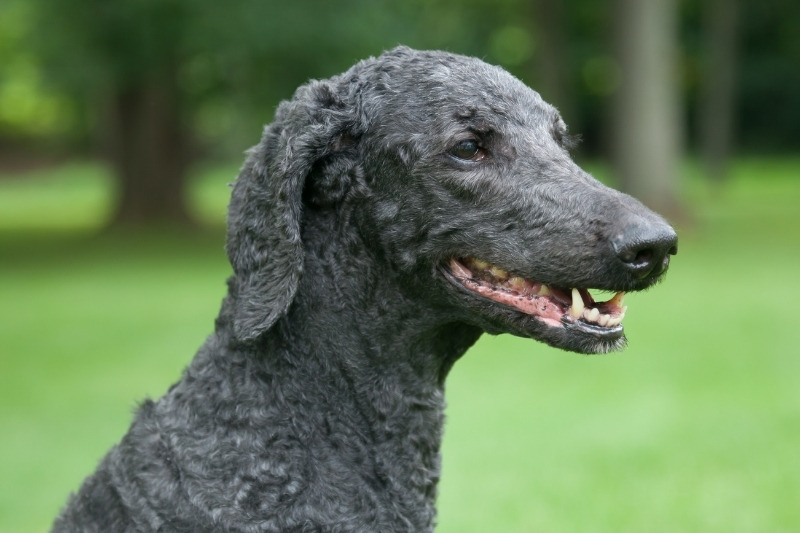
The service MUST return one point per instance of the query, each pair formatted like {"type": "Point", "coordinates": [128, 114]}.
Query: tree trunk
{"type": "Point", "coordinates": [551, 57]}
{"type": "Point", "coordinates": [718, 91]}
{"type": "Point", "coordinates": [647, 125]}
{"type": "Point", "coordinates": [148, 152]}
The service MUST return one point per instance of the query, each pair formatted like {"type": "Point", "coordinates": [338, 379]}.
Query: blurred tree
{"type": "Point", "coordinates": [647, 122]}
{"type": "Point", "coordinates": [155, 75]}
{"type": "Point", "coordinates": [718, 85]}
{"type": "Point", "coordinates": [28, 108]}
{"type": "Point", "coordinates": [552, 56]}
{"type": "Point", "coordinates": [122, 58]}
{"type": "Point", "coordinates": [159, 82]}
{"type": "Point", "coordinates": [767, 77]}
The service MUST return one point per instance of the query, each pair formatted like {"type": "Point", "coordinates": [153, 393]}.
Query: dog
{"type": "Point", "coordinates": [389, 216]}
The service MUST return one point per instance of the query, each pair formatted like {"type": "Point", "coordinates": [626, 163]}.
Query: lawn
{"type": "Point", "coordinates": [694, 428]}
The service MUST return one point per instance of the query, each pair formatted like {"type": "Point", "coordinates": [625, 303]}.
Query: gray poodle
{"type": "Point", "coordinates": [387, 218]}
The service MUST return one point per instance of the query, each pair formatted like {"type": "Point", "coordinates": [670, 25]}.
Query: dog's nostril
{"type": "Point", "coordinates": [643, 257]}
{"type": "Point", "coordinates": [645, 252]}
{"type": "Point", "coordinates": [641, 262]}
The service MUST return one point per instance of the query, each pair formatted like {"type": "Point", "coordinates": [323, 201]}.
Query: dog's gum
{"type": "Point", "coordinates": [528, 304]}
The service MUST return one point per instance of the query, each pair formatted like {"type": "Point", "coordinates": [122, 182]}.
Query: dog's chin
{"type": "Point", "coordinates": [565, 318]}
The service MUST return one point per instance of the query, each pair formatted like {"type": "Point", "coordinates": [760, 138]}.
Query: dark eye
{"type": "Point", "coordinates": [468, 150]}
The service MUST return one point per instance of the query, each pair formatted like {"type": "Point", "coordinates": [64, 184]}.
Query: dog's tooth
{"type": "Point", "coordinates": [498, 273]}
{"type": "Point", "coordinates": [603, 320]}
{"type": "Point", "coordinates": [576, 310]}
{"type": "Point", "coordinates": [544, 290]}
{"type": "Point", "coordinates": [592, 314]}
{"type": "Point", "coordinates": [516, 283]}
{"type": "Point", "coordinates": [480, 264]}
{"type": "Point", "coordinates": [613, 322]}
{"type": "Point", "coordinates": [617, 299]}
{"type": "Point", "coordinates": [622, 313]}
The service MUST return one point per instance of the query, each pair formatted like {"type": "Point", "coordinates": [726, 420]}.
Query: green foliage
{"type": "Point", "coordinates": [693, 428]}
{"type": "Point", "coordinates": [235, 60]}
{"type": "Point", "coordinates": [27, 104]}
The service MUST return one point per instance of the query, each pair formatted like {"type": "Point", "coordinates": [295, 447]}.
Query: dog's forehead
{"type": "Point", "coordinates": [440, 86]}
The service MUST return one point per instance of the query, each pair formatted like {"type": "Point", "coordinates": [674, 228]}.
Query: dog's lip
{"type": "Point", "coordinates": [571, 309]}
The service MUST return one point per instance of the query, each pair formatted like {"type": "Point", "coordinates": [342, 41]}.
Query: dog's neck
{"type": "Point", "coordinates": [361, 367]}
{"type": "Point", "coordinates": [355, 309]}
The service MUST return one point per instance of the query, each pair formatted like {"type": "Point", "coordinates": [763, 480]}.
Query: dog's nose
{"type": "Point", "coordinates": [645, 246]}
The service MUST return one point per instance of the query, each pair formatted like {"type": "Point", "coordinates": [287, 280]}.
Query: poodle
{"type": "Point", "coordinates": [389, 216]}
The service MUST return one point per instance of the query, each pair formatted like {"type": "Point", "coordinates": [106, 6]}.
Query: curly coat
{"type": "Point", "coordinates": [317, 403]}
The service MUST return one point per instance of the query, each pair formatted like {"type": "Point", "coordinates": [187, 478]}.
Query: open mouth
{"type": "Point", "coordinates": [558, 307]}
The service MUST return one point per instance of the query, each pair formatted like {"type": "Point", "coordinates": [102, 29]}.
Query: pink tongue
{"type": "Point", "coordinates": [530, 305]}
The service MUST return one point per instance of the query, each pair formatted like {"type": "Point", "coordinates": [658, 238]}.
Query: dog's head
{"type": "Point", "coordinates": [461, 175]}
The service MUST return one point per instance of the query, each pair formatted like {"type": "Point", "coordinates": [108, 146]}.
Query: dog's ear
{"type": "Point", "coordinates": [264, 242]}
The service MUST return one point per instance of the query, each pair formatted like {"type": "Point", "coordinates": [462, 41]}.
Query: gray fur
{"type": "Point", "coordinates": [317, 403]}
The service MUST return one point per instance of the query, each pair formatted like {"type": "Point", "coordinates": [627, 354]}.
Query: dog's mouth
{"type": "Point", "coordinates": [557, 307]}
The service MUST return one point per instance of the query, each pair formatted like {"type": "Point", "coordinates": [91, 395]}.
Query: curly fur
{"type": "Point", "coordinates": [317, 403]}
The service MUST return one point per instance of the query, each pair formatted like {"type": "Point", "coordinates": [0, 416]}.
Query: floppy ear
{"type": "Point", "coordinates": [264, 242]}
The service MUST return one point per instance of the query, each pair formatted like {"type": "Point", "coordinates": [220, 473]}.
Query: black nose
{"type": "Point", "coordinates": [644, 247]}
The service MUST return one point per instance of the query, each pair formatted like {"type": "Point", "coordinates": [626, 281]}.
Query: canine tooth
{"type": "Point", "coordinates": [622, 313]}
{"type": "Point", "coordinates": [603, 320]}
{"type": "Point", "coordinates": [576, 310]}
{"type": "Point", "coordinates": [617, 299]}
{"type": "Point", "coordinates": [612, 322]}
{"type": "Point", "coordinates": [592, 314]}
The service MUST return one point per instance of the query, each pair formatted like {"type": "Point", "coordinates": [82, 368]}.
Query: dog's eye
{"type": "Point", "coordinates": [468, 150]}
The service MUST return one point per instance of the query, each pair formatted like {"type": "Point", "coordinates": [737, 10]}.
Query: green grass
{"type": "Point", "coordinates": [694, 428]}
{"type": "Point", "coordinates": [79, 197]}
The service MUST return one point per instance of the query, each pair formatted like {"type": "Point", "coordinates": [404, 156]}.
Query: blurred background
{"type": "Point", "coordinates": [121, 124]}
